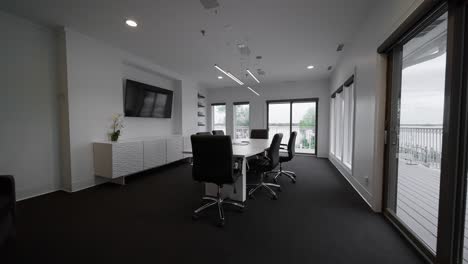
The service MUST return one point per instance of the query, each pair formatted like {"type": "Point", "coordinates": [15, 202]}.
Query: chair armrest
{"type": "Point", "coordinates": [238, 162]}
{"type": "Point", "coordinates": [7, 185]}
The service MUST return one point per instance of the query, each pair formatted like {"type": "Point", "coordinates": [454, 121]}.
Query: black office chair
{"type": "Point", "coordinates": [259, 133]}
{"type": "Point", "coordinates": [267, 164]}
{"type": "Point", "coordinates": [204, 134]}
{"type": "Point", "coordinates": [218, 133]}
{"type": "Point", "coordinates": [213, 162]}
{"type": "Point", "coordinates": [7, 218]}
{"type": "Point", "coordinates": [291, 147]}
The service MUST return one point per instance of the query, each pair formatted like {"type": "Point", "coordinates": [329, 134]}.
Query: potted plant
{"type": "Point", "coordinates": [117, 125]}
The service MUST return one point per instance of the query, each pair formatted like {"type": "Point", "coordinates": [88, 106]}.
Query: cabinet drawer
{"type": "Point", "coordinates": [127, 158]}
{"type": "Point", "coordinates": [154, 153]}
{"type": "Point", "coordinates": [174, 149]}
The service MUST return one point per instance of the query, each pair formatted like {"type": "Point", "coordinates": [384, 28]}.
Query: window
{"type": "Point", "coordinates": [241, 120]}
{"type": "Point", "coordinates": [332, 126]}
{"type": "Point", "coordinates": [342, 123]}
{"type": "Point", "coordinates": [348, 125]}
{"type": "Point", "coordinates": [285, 116]}
{"type": "Point", "coordinates": [218, 117]}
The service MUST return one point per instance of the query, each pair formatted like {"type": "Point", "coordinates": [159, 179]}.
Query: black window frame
{"type": "Point", "coordinates": [291, 101]}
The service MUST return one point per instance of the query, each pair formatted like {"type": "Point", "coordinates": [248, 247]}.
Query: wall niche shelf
{"type": "Point", "coordinates": [201, 113]}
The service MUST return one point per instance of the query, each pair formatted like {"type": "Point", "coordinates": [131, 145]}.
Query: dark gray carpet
{"type": "Point", "coordinates": [318, 220]}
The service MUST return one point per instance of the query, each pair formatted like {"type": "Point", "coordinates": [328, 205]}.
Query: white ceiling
{"type": "Point", "coordinates": [288, 34]}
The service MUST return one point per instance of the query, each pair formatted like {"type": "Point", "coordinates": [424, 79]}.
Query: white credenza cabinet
{"type": "Point", "coordinates": [174, 149]}
{"type": "Point", "coordinates": [118, 159]}
{"type": "Point", "coordinates": [154, 153]}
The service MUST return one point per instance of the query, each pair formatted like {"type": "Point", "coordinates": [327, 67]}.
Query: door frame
{"type": "Point", "coordinates": [454, 163]}
{"type": "Point", "coordinates": [394, 82]}
{"type": "Point", "coordinates": [291, 101]}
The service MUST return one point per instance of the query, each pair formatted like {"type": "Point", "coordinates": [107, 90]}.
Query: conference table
{"type": "Point", "coordinates": [241, 149]}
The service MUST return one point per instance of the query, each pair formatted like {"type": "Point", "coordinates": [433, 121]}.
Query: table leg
{"type": "Point", "coordinates": [228, 190]}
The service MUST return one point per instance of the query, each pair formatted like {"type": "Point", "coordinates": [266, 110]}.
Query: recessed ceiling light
{"type": "Point", "coordinates": [310, 67]}
{"type": "Point", "coordinates": [131, 23]}
{"type": "Point", "coordinates": [220, 77]}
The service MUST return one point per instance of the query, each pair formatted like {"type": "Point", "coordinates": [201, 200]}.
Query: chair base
{"type": "Point", "coordinates": [280, 172]}
{"type": "Point", "coordinates": [219, 202]}
{"type": "Point", "coordinates": [265, 185]}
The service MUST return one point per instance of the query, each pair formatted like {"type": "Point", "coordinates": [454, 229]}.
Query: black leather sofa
{"type": "Point", "coordinates": [7, 218]}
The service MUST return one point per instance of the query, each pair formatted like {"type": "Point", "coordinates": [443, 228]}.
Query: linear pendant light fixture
{"type": "Point", "coordinates": [253, 76]}
{"type": "Point", "coordinates": [228, 74]}
{"type": "Point", "coordinates": [253, 91]}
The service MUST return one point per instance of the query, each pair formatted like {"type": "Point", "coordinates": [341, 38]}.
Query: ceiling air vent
{"type": "Point", "coordinates": [340, 47]}
{"type": "Point", "coordinates": [243, 49]}
{"type": "Point", "coordinates": [209, 4]}
{"type": "Point", "coordinates": [260, 72]}
{"type": "Point", "coordinates": [329, 68]}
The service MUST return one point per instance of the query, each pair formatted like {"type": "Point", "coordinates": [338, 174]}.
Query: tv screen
{"type": "Point", "coordinates": [143, 100]}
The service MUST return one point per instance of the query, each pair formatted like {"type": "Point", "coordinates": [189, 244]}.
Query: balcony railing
{"type": "Point", "coordinates": [241, 132]}
{"type": "Point", "coordinates": [305, 141]}
{"type": "Point", "coordinates": [421, 144]}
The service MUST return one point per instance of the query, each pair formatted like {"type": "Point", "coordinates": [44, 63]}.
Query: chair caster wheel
{"type": "Point", "coordinates": [241, 210]}
{"type": "Point", "coordinates": [275, 181]}
{"type": "Point", "coordinates": [294, 181]}
{"type": "Point", "coordinates": [279, 189]}
{"type": "Point", "coordinates": [195, 217]}
{"type": "Point", "coordinates": [275, 197]}
{"type": "Point", "coordinates": [251, 197]}
{"type": "Point", "coordinates": [221, 223]}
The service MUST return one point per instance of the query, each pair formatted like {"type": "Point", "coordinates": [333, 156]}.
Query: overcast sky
{"type": "Point", "coordinates": [422, 92]}
{"type": "Point", "coordinates": [280, 113]}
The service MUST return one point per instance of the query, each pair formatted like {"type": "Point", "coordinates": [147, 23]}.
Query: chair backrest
{"type": "Point", "coordinates": [273, 151]}
{"type": "Point", "coordinates": [292, 144]}
{"type": "Point", "coordinates": [204, 133]}
{"type": "Point", "coordinates": [218, 132]}
{"type": "Point", "coordinates": [259, 133]}
{"type": "Point", "coordinates": [212, 159]}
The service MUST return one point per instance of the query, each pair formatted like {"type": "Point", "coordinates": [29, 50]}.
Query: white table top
{"type": "Point", "coordinates": [254, 147]}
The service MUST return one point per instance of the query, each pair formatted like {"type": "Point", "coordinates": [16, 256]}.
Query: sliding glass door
{"type": "Point", "coordinates": [241, 121]}
{"type": "Point", "coordinates": [304, 118]}
{"type": "Point", "coordinates": [416, 131]}
{"type": "Point", "coordinates": [279, 120]}
{"type": "Point", "coordinates": [427, 132]}
{"type": "Point", "coordinates": [285, 116]}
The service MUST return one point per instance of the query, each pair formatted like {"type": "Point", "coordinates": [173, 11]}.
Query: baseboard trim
{"type": "Point", "coordinates": [24, 194]}
{"type": "Point", "coordinates": [353, 184]}
{"type": "Point", "coordinates": [82, 185]}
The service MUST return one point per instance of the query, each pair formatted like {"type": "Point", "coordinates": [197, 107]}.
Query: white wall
{"type": "Point", "coordinates": [29, 138]}
{"type": "Point", "coordinates": [361, 56]}
{"type": "Point", "coordinates": [291, 90]}
{"type": "Point", "coordinates": [95, 73]}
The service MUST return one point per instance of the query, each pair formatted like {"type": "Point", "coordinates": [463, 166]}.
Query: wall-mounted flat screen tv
{"type": "Point", "coordinates": [143, 100]}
